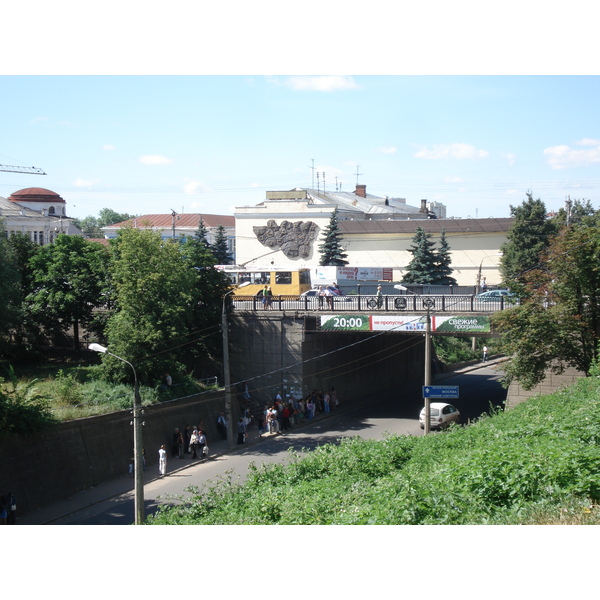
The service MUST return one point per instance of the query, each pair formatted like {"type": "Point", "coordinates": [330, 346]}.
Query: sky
{"type": "Point", "coordinates": [164, 110]}
{"type": "Point", "coordinates": [210, 143]}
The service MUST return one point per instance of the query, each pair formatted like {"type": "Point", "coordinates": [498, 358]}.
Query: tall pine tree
{"type": "Point", "coordinates": [332, 254]}
{"type": "Point", "coordinates": [443, 262]}
{"type": "Point", "coordinates": [422, 268]}
{"type": "Point", "coordinates": [219, 248]}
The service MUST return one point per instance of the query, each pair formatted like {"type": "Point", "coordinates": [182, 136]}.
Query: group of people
{"type": "Point", "coordinates": [327, 294]}
{"type": "Point", "coordinates": [281, 416]}
{"type": "Point", "coordinates": [8, 509]}
{"type": "Point", "coordinates": [266, 297]}
{"type": "Point", "coordinates": [192, 440]}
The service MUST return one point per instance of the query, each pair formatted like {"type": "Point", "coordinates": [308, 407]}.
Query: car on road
{"type": "Point", "coordinates": [335, 292]}
{"type": "Point", "coordinates": [441, 415]}
{"type": "Point", "coordinates": [495, 295]}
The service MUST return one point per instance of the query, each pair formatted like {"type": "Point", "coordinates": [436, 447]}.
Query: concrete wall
{"type": "Point", "coordinates": [290, 354]}
{"type": "Point", "coordinates": [54, 464]}
{"type": "Point", "coordinates": [552, 383]}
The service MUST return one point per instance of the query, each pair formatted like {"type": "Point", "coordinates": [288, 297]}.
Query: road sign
{"type": "Point", "coordinates": [440, 391]}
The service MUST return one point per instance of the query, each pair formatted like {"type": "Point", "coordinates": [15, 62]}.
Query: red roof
{"type": "Point", "coordinates": [191, 220]}
{"type": "Point", "coordinates": [35, 194]}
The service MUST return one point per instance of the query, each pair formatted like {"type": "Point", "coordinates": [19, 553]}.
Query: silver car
{"type": "Point", "coordinates": [441, 415]}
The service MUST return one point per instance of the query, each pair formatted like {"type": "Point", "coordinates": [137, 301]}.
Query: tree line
{"type": "Point", "coordinates": [154, 302]}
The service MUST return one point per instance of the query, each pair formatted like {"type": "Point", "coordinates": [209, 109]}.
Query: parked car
{"type": "Point", "coordinates": [441, 415]}
{"type": "Point", "coordinates": [336, 292]}
{"type": "Point", "coordinates": [495, 295]}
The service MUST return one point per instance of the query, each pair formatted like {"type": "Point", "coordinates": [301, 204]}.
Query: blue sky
{"type": "Point", "coordinates": [209, 143]}
{"type": "Point", "coordinates": [142, 107]}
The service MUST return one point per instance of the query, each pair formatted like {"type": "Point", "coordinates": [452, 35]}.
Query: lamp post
{"type": "Point", "coordinates": [138, 464]}
{"type": "Point", "coordinates": [427, 375]}
{"type": "Point", "coordinates": [226, 369]}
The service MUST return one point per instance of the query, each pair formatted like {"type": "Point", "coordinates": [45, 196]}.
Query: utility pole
{"type": "Point", "coordinates": [427, 376]}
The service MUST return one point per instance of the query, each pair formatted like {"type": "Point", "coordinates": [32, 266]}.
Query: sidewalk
{"type": "Point", "coordinates": [124, 484]}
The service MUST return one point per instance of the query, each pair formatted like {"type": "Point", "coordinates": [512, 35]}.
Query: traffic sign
{"type": "Point", "coordinates": [440, 391]}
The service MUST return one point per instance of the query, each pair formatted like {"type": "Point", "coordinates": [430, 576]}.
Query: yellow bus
{"type": "Point", "coordinates": [283, 281]}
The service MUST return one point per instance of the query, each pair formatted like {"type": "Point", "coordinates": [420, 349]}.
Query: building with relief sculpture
{"type": "Point", "coordinates": [286, 229]}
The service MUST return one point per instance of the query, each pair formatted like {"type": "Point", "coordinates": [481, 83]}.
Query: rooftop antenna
{"type": "Point", "coordinates": [357, 174]}
{"type": "Point", "coordinates": [317, 182]}
{"type": "Point", "coordinates": [323, 181]}
{"type": "Point", "coordinates": [336, 184]}
{"type": "Point", "coordinates": [313, 173]}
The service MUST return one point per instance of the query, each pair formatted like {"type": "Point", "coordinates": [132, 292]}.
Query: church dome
{"type": "Point", "coordinates": [36, 194]}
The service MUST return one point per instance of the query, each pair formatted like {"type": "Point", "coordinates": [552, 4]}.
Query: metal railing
{"type": "Point", "coordinates": [362, 303]}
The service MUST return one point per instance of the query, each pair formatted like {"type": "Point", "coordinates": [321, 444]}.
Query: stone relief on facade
{"type": "Point", "coordinates": [295, 240]}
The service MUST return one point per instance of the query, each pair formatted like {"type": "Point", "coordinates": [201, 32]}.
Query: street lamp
{"type": "Point", "coordinates": [138, 464]}
{"type": "Point", "coordinates": [427, 375]}
{"type": "Point", "coordinates": [226, 369]}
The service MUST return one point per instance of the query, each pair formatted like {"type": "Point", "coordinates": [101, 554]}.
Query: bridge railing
{"type": "Point", "coordinates": [365, 303]}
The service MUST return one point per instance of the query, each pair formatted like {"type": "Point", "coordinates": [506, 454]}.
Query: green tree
{"type": "Point", "coordinates": [108, 216]}
{"type": "Point", "coordinates": [332, 253]}
{"type": "Point", "coordinates": [10, 292]}
{"type": "Point", "coordinates": [89, 227]}
{"type": "Point", "coordinates": [443, 261]}
{"type": "Point", "coordinates": [559, 324]}
{"type": "Point", "coordinates": [423, 267]}
{"type": "Point", "coordinates": [153, 294]}
{"type": "Point", "coordinates": [220, 249]}
{"type": "Point", "coordinates": [68, 280]}
{"type": "Point", "coordinates": [527, 239]}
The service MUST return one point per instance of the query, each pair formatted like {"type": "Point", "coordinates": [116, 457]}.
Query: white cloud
{"type": "Point", "coordinates": [388, 150]}
{"type": "Point", "coordinates": [510, 158]}
{"type": "Point", "coordinates": [195, 186]}
{"type": "Point", "coordinates": [457, 151]}
{"type": "Point", "coordinates": [154, 159]}
{"type": "Point", "coordinates": [320, 83]}
{"type": "Point", "coordinates": [562, 156]}
{"type": "Point", "coordinates": [453, 180]}
{"type": "Point", "coordinates": [108, 147]}
{"type": "Point", "coordinates": [84, 182]}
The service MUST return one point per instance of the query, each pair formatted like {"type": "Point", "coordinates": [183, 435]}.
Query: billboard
{"type": "Point", "coordinates": [440, 324]}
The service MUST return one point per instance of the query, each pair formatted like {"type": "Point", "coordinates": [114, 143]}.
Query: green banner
{"type": "Point", "coordinates": [345, 323]}
{"type": "Point", "coordinates": [467, 324]}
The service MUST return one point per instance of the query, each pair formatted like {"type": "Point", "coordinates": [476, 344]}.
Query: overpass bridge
{"type": "Point", "coordinates": [366, 347]}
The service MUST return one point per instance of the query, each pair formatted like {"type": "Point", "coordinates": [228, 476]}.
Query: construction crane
{"type": "Point", "coordinates": [32, 170]}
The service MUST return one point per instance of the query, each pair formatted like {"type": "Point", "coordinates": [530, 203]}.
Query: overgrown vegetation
{"type": "Point", "coordinates": [538, 463]}
{"type": "Point", "coordinates": [453, 349]}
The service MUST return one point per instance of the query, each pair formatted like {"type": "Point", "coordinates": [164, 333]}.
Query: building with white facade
{"type": "Point", "coordinates": [286, 229]}
{"type": "Point", "coordinates": [37, 212]}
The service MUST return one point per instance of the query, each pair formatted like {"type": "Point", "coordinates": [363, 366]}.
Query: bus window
{"type": "Point", "coordinates": [304, 277]}
{"type": "Point", "coordinates": [283, 278]}
{"type": "Point", "coordinates": [257, 278]}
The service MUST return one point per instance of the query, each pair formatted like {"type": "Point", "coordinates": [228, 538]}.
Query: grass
{"type": "Point", "coordinates": [538, 463]}
{"type": "Point", "coordinates": [76, 389]}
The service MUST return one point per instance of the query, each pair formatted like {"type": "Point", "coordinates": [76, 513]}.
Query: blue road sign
{"type": "Point", "coordinates": [440, 391]}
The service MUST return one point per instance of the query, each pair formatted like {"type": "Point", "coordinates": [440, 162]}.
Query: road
{"type": "Point", "coordinates": [478, 390]}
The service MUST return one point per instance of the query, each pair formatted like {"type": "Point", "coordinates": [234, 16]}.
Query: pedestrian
{"type": "Point", "coordinates": [269, 297]}
{"type": "Point", "coordinates": [321, 294]}
{"type": "Point", "coordinates": [264, 294]}
{"type": "Point", "coordinates": [333, 398]}
{"type": "Point", "coordinates": [241, 432]}
{"type": "Point", "coordinates": [11, 506]}
{"type": "Point", "coordinates": [194, 444]}
{"type": "Point", "coordinates": [485, 353]}
{"type": "Point", "coordinates": [483, 285]}
{"type": "Point", "coordinates": [180, 445]}
{"type": "Point", "coordinates": [187, 434]}
{"type": "Point", "coordinates": [246, 393]}
{"type": "Point", "coordinates": [175, 444]}
{"type": "Point", "coordinates": [326, 402]}
{"type": "Point", "coordinates": [329, 297]}
{"type": "Point", "coordinates": [162, 460]}
{"type": "Point", "coordinates": [379, 297]}
{"type": "Point", "coordinates": [222, 426]}
{"type": "Point", "coordinates": [201, 444]}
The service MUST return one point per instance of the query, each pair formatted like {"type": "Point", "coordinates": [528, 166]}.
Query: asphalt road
{"type": "Point", "coordinates": [479, 389]}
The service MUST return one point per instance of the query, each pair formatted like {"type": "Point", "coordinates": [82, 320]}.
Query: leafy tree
{"type": "Point", "coordinates": [527, 239]}
{"type": "Point", "coordinates": [68, 278]}
{"type": "Point", "coordinates": [89, 227]}
{"type": "Point", "coordinates": [332, 253]}
{"type": "Point", "coordinates": [219, 249]}
{"type": "Point", "coordinates": [443, 261]}
{"type": "Point", "coordinates": [559, 324]}
{"type": "Point", "coordinates": [153, 293]}
{"type": "Point", "coordinates": [423, 268]}
{"type": "Point", "coordinates": [10, 291]}
{"type": "Point", "coordinates": [107, 216]}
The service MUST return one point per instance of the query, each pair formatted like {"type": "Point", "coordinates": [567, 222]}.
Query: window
{"type": "Point", "coordinates": [259, 278]}
{"type": "Point", "coordinates": [305, 276]}
{"type": "Point", "coordinates": [283, 278]}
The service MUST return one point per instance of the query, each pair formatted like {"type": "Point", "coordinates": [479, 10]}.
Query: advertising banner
{"type": "Point", "coordinates": [441, 324]}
